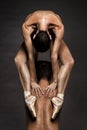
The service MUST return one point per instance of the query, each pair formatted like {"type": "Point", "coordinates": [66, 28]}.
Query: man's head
{"type": "Point", "coordinates": [42, 41]}
{"type": "Point", "coordinates": [44, 70]}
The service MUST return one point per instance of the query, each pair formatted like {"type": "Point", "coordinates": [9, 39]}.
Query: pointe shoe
{"type": "Point", "coordinates": [30, 102]}
{"type": "Point", "coordinates": [57, 104]}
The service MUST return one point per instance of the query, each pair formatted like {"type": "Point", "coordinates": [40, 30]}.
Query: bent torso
{"type": "Point", "coordinates": [44, 111]}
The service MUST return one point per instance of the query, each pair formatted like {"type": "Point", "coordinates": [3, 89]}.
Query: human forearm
{"type": "Point", "coordinates": [54, 59]}
{"type": "Point", "coordinates": [32, 69]}
{"type": "Point", "coordinates": [55, 68]}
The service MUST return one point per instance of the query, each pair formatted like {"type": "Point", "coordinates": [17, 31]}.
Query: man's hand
{"type": "Point", "coordinates": [50, 90]}
{"type": "Point", "coordinates": [36, 89]}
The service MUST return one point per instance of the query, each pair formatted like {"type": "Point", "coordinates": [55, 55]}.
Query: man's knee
{"type": "Point", "coordinates": [18, 60]}
{"type": "Point", "coordinates": [71, 63]}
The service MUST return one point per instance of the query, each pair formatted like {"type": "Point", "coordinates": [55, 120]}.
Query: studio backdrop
{"type": "Point", "coordinates": [12, 106]}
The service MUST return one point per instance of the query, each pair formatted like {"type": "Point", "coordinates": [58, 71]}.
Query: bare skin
{"type": "Point", "coordinates": [44, 110]}
{"type": "Point", "coordinates": [41, 19]}
{"type": "Point", "coordinates": [44, 20]}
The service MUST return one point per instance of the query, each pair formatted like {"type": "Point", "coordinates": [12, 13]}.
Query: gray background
{"type": "Point", "coordinates": [12, 106]}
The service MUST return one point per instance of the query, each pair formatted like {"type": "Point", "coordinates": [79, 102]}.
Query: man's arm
{"type": "Point", "coordinates": [27, 31]}
{"type": "Point", "coordinates": [58, 31]}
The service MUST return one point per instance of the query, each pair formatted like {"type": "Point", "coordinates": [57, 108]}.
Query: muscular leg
{"type": "Point", "coordinates": [21, 63]}
{"type": "Point", "coordinates": [67, 63]}
{"type": "Point", "coordinates": [58, 101]}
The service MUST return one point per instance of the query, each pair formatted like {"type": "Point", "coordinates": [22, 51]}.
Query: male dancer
{"type": "Point", "coordinates": [49, 23]}
{"type": "Point", "coordinates": [43, 105]}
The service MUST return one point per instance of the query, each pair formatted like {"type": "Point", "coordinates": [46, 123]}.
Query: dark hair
{"type": "Point", "coordinates": [44, 70]}
{"type": "Point", "coordinates": [42, 41]}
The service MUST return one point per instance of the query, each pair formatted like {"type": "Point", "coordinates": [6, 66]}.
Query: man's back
{"type": "Point", "coordinates": [44, 111]}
